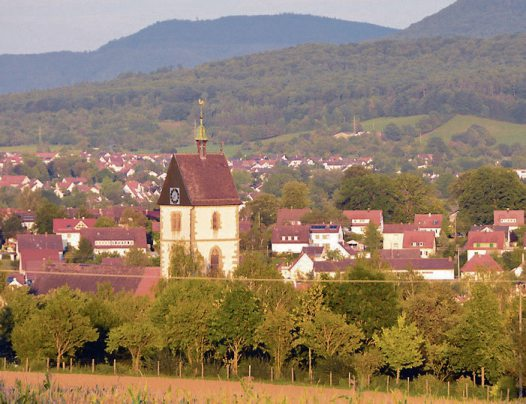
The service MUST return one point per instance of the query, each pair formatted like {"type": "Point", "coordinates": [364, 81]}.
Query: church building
{"type": "Point", "coordinates": [200, 208]}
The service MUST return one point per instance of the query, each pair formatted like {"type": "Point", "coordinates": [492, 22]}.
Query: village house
{"type": "Point", "coordinates": [33, 250]}
{"type": "Point", "coordinates": [115, 240]}
{"type": "Point", "coordinates": [422, 241]}
{"type": "Point", "coordinates": [290, 239]}
{"type": "Point", "coordinates": [329, 236]}
{"type": "Point", "coordinates": [485, 242]}
{"type": "Point", "coordinates": [200, 208]}
{"type": "Point", "coordinates": [393, 235]}
{"type": "Point", "coordinates": [513, 219]}
{"type": "Point", "coordinates": [432, 269]}
{"type": "Point", "coordinates": [291, 217]}
{"type": "Point", "coordinates": [360, 219]}
{"type": "Point", "coordinates": [69, 229]}
{"type": "Point", "coordinates": [479, 266]}
{"type": "Point", "coordinates": [429, 222]}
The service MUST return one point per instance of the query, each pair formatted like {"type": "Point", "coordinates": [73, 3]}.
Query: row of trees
{"type": "Point", "coordinates": [407, 327]}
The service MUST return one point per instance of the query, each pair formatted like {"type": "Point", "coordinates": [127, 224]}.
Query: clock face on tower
{"type": "Point", "coordinates": [175, 196]}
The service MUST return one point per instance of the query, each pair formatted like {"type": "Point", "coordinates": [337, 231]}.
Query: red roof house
{"type": "Point", "coordinates": [480, 264]}
{"type": "Point", "coordinates": [288, 216]}
{"type": "Point", "coordinates": [481, 242]}
{"type": "Point", "coordinates": [509, 218]}
{"type": "Point", "coordinates": [115, 239]}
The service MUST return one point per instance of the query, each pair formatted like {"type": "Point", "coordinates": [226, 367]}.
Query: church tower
{"type": "Point", "coordinates": [200, 208]}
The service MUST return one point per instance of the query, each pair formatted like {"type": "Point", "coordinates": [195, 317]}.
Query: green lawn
{"type": "Point", "coordinates": [378, 124]}
{"type": "Point", "coordinates": [504, 132]}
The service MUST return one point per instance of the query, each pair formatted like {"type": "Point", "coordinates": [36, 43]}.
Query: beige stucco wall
{"type": "Point", "coordinates": [202, 236]}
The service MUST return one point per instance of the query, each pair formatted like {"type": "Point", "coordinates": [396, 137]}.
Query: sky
{"type": "Point", "coordinates": [37, 26]}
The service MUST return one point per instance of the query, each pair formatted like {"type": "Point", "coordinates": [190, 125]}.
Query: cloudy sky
{"type": "Point", "coordinates": [36, 26]}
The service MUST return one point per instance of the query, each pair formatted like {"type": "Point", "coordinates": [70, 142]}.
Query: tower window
{"type": "Point", "coordinates": [176, 222]}
{"type": "Point", "coordinates": [216, 221]}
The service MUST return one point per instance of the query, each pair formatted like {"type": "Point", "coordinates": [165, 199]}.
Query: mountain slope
{"type": "Point", "coordinates": [472, 18]}
{"type": "Point", "coordinates": [179, 43]}
{"type": "Point", "coordinates": [256, 97]}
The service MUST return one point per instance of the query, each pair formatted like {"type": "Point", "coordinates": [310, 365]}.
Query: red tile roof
{"type": "Point", "coordinates": [333, 266]}
{"type": "Point", "coordinates": [135, 234]}
{"type": "Point", "coordinates": [483, 262]}
{"type": "Point", "coordinates": [429, 221]}
{"type": "Point", "coordinates": [480, 240]}
{"type": "Point", "coordinates": [35, 259]}
{"type": "Point", "coordinates": [39, 242]}
{"type": "Point", "coordinates": [357, 217]}
{"type": "Point", "coordinates": [290, 216]}
{"type": "Point", "coordinates": [419, 239]}
{"type": "Point", "coordinates": [398, 228]}
{"type": "Point", "coordinates": [508, 218]}
{"type": "Point", "coordinates": [72, 225]}
{"type": "Point", "coordinates": [301, 232]}
{"type": "Point", "coordinates": [202, 182]}
{"type": "Point", "coordinates": [399, 254]}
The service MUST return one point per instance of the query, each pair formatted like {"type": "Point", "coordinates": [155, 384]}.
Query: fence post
{"type": "Point", "coordinates": [249, 370]}
{"type": "Point", "coordinates": [271, 374]}
{"type": "Point", "coordinates": [70, 365]}
{"type": "Point", "coordinates": [202, 370]}
{"type": "Point", "coordinates": [408, 385]}
{"type": "Point", "coordinates": [228, 371]}
{"type": "Point", "coordinates": [292, 374]}
{"type": "Point", "coordinates": [330, 378]}
{"type": "Point", "coordinates": [180, 369]}
{"type": "Point", "coordinates": [47, 364]}
{"type": "Point", "coordinates": [92, 365]}
{"type": "Point", "coordinates": [508, 395]}
{"type": "Point", "coordinates": [158, 368]}
{"type": "Point", "coordinates": [482, 376]}
{"type": "Point", "coordinates": [27, 364]}
{"type": "Point", "coordinates": [448, 389]}
{"type": "Point", "coordinates": [114, 366]}
{"type": "Point", "coordinates": [349, 380]}
{"type": "Point", "coordinates": [487, 393]}
{"type": "Point", "coordinates": [427, 387]}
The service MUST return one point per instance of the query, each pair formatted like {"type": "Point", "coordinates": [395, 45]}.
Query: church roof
{"type": "Point", "coordinates": [201, 181]}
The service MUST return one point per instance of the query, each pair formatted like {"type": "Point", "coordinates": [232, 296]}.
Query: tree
{"type": "Point", "coordinates": [479, 340]}
{"type": "Point", "coordinates": [479, 192]}
{"type": "Point", "coordinates": [276, 334]}
{"type": "Point", "coordinates": [136, 258]}
{"type": "Point", "coordinates": [12, 226]}
{"type": "Point", "coordinates": [104, 221]}
{"type": "Point", "coordinates": [45, 214]}
{"type": "Point", "coordinates": [256, 265]}
{"type": "Point", "coordinates": [372, 238]}
{"type": "Point", "coordinates": [58, 328]}
{"type": "Point", "coordinates": [131, 217]}
{"type": "Point", "coordinates": [136, 333]}
{"type": "Point", "coordinates": [263, 209]}
{"type": "Point", "coordinates": [83, 254]}
{"type": "Point", "coordinates": [295, 195]}
{"type": "Point", "coordinates": [111, 190]}
{"type": "Point", "coordinates": [371, 305]}
{"type": "Point", "coordinates": [392, 132]}
{"type": "Point", "coordinates": [366, 363]}
{"type": "Point", "coordinates": [329, 335]}
{"type": "Point", "coordinates": [235, 324]}
{"type": "Point", "coordinates": [184, 262]}
{"type": "Point", "coordinates": [401, 345]}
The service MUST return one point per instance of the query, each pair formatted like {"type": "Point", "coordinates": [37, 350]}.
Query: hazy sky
{"type": "Point", "coordinates": [35, 26]}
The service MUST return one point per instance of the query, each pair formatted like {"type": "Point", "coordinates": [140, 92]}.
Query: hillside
{"type": "Point", "coordinates": [179, 43]}
{"type": "Point", "coordinates": [305, 88]}
{"type": "Point", "coordinates": [472, 18]}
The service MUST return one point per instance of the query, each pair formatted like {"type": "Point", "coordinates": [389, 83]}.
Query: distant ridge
{"type": "Point", "coordinates": [179, 43]}
{"type": "Point", "coordinates": [472, 18]}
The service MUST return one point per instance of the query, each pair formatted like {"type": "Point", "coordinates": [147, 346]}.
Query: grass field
{"type": "Point", "coordinates": [378, 124]}
{"type": "Point", "coordinates": [504, 132]}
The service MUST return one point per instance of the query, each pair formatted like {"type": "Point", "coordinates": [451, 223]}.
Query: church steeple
{"type": "Point", "coordinates": [200, 137]}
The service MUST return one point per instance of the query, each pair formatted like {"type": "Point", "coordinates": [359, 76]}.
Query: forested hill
{"type": "Point", "coordinates": [179, 43]}
{"type": "Point", "coordinates": [472, 18]}
{"type": "Point", "coordinates": [309, 87]}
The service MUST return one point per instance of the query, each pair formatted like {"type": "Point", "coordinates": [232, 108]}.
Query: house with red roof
{"type": "Point", "coordinates": [15, 181]}
{"type": "Point", "coordinates": [429, 222]}
{"type": "Point", "coordinates": [508, 218]}
{"type": "Point", "coordinates": [480, 265]}
{"type": "Point", "coordinates": [483, 243]}
{"type": "Point", "coordinates": [69, 229]}
{"type": "Point", "coordinates": [422, 241]}
{"type": "Point", "coordinates": [432, 269]}
{"type": "Point", "coordinates": [291, 217]}
{"type": "Point", "coordinates": [360, 219]}
{"type": "Point", "coordinates": [393, 235]}
{"type": "Point", "coordinates": [34, 250]}
{"type": "Point", "coordinates": [290, 239]}
{"type": "Point", "coordinates": [115, 239]}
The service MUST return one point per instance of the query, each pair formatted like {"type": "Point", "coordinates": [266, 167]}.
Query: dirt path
{"type": "Point", "coordinates": [211, 390]}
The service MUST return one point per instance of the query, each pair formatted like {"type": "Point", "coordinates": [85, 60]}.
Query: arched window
{"type": "Point", "coordinates": [176, 222]}
{"type": "Point", "coordinates": [216, 221]}
{"type": "Point", "coordinates": [216, 262]}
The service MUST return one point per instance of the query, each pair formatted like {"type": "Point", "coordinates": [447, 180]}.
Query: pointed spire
{"type": "Point", "coordinates": [200, 136]}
